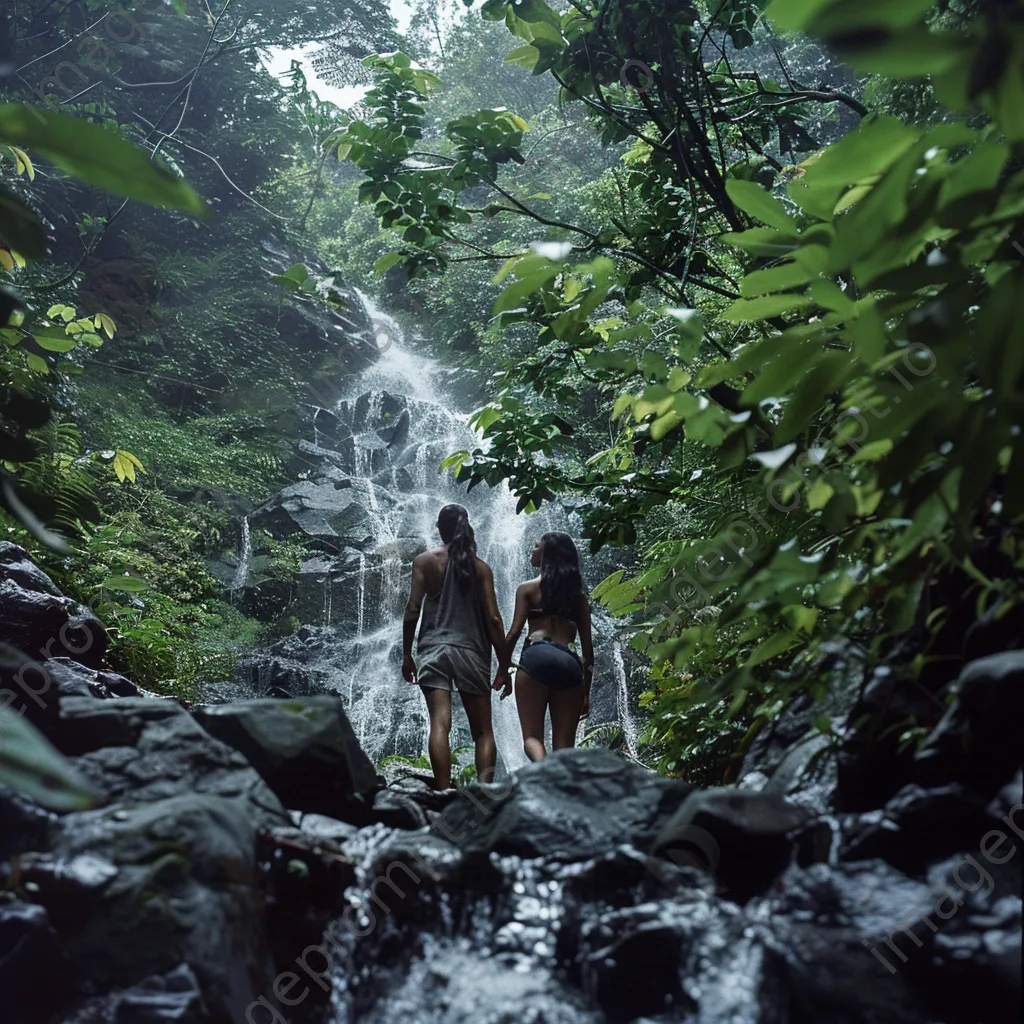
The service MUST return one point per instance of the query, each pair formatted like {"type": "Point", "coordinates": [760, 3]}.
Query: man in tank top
{"type": "Point", "coordinates": [461, 624]}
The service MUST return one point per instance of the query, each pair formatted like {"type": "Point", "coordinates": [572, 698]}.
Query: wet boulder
{"type": "Point", "coordinates": [849, 945]}
{"type": "Point", "coordinates": [978, 739]}
{"type": "Point", "coordinates": [919, 827]}
{"type": "Point", "coordinates": [397, 809]}
{"type": "Point", "coordinates": [745, 839]}
{"type": "Point", "coordinates": [317, 510]}
{"type": "Point", "coordinates": [179, 886]}
{"type": "Point", "coordinates": [38, 619]}
{"type": "Point", "coordinates": [29, 956]}
{"type": "Point", "coordinates": [305, 750]}
{"type": "Point", "coordinates": [27, 690]}
{"type": "Point", "coordinates": [171, 998]}
{"type": "Point", "coordinates": [75, 680]}
{"type": "Point", "coordinates": [574, 805]}
{"type": "Point", "coordinates": [141, 748]}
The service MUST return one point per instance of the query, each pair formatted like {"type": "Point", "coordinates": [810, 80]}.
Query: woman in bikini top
{"type": "Point", "coordinates": [551, 674]}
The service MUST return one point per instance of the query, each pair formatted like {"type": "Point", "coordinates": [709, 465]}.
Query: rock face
{"type": "Point", "coordinates": [247, 864]}
{"type": "Point", "coordinates": [41, 621]}
{"type": "Point", "coordinates": [571, 808]}
{"type": "Point", "coordinates": [746, 838]}
{"type": "Point", "coordinates": [305, 750]}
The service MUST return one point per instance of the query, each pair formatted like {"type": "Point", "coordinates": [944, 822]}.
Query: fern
{"type": "Point", "coordinates": [61, 474]}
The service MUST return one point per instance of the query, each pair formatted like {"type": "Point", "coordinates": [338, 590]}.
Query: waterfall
{"type": "Point", "coordinates": [244, 557]}
{"type": "Point", "coordinates": [381, 488]}
{"type": "Point", "coordinates": [625, 714]}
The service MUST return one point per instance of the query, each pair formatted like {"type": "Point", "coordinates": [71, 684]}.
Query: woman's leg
{"type": "Point", "coordinates": [566, 706]}
{"type": "Point", "coordinates": [439, 707]}
{"type": "Point", "coordinates": [478, 711]}
{"type": "Point", "coordinates": [532, 703]}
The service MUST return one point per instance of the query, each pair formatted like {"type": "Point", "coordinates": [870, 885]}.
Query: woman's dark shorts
{"type": "Point", "coordinates": [551, 664]}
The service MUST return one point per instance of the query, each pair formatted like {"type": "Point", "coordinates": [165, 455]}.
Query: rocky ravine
{"type": "Point", "coordinates": [245, 863]}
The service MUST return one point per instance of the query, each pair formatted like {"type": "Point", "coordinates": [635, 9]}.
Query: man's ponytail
{"type": "Point", "coordinates": [457, 534]}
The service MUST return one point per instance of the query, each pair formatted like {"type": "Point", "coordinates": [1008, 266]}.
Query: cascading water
{"type": "Point", "coordinates": [376, 480]}
{"type": "Point", "coordinates": [630, 732]}
{"type": "Point", "coordinates": [244, 557]}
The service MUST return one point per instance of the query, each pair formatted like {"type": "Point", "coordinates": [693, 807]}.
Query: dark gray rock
{"type": "Point", "coordinates": [27, 690]}
{"type": "Point", "coordinates": [978, 739]}
{"type": "Point", "coordinates": [919, 827]}
{"type": "Point", "coordinates": [872, 763]}
{"type": "Point", "coordinates": [185, 892]}
{"type": "Point", "coordinates": [37, 619]}
{"type": "Point", "coordinates": [574, 805]}
{"type": "Point", "coordinates": [24, 825]}
{"type": "Point", "coordinates": [398, 810]}
{"type": "Point", "coordinates": [31, 619]}
{"type": "Point", "coordinates": [318, 510]}
{"type": "Point", "coordinates": [305, 750]}
{"type": "Point", "coordinates": [172, 998]}
{"type": "Point", "coordinates": [76, 680]}
{"type": "Point", "coordinates": [142, 749]}
{"type": "Point", "coordinates": [28, 953]}
{"type": "Point", "coordinates": [977, 948]}
{"type": "Point", "coordinates": [632, 964]}
{"type": "Point", "coordinates": [84, 637]}
{"type": "Point", "coordinates": [744, 839]}
{"type": "Point", "coordinates": [16, 565]}
{"type": "Point", "coordinates": [829, 940]}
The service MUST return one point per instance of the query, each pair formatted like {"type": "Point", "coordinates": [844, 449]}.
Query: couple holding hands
{"type": "Point", "coordinates": [454, 590]}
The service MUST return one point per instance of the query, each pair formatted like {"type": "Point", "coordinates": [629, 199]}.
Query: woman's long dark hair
{"type": "Point", "coordinates": [457, 535]}
{"type": "Point", "coordinates": [561, 585]}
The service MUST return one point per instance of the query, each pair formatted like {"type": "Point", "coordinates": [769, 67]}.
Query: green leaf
{"type": "Point", "coordinates": [54, 342]}
{"type": "Point", "coordinates": [31, 766]}
{"type": "Point", "coordinates": [766, 306]}
{"type": "Point", "coordinates": [385, 263]}
{"type": "Point", "coordinates": [129, 584]}
{"type": "Point", "coordinates": [872, 149]}
{"type": "Point", "coordinates": [524, 56]}
{"type": "Point", "coordinates": [763, 241]}
{"type": "Point", "coordinates": [771, 648]}
{"type": "Point", "coordinates": [754, 200]}
{"type": "Point", "coordinates": [774, 279]}
{"type": "Point", "coordinates": [96, 156]}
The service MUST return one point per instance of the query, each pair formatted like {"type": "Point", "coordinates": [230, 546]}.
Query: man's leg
{"type": "Point", "coordinates": [439, 707]}
{"type": "Point", "coordinates": [532, 704]}
{"type": "Point", "coordinates": [478, 711]}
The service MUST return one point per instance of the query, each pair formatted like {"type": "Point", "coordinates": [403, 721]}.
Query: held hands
{"type": "Point", "coordinates": [503, 682]}
{"type": "Point", "coordinates": [409, 669]}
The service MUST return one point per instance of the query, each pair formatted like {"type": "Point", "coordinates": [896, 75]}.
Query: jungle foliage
{"type": "Point", "coordinates": [732, 280]}
{"type": "Point", "coordinates": [807, 352]}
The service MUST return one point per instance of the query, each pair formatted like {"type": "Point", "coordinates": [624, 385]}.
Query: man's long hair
{"type": "Point", "coordinates": [561, 585]}
{"type": "Point", "coordinates": [458, 537]}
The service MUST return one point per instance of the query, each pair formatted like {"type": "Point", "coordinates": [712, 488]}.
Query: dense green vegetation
{"type": "Point", "coordinates": [732, 280]}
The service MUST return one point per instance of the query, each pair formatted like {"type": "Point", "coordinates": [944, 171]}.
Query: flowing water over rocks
{"type": "Point", "coordinates": [245, 864]}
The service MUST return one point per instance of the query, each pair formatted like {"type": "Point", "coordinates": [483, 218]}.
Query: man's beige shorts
{"type": "Point", "coordinates": [449, 668]}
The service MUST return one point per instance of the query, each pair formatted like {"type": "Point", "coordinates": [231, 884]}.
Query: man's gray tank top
{"type": "Point", "coordinates": [454, 618]}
